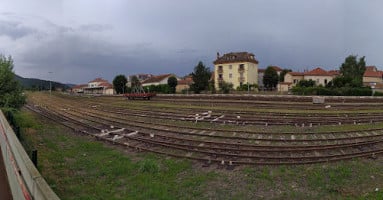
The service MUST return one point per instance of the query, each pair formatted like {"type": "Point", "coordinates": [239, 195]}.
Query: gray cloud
{"type": "Point", "coordinates": [14, 30]}
{"type": "Point", "coordinates": [171, 37]}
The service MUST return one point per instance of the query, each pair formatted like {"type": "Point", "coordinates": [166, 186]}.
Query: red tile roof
{"type": "Point", "coordinates": [378, 74]}
{"type": "Point", "coordinates": [334, 72]}
{"type": "Point", "coordinates": [106, 85]}
{"type": "Point", "coordinates": [186, 81]}
{"type": "Point", "coordinates": [235, 57]}
{"type": "Point", "coordinates": [278, 69]}
{"type": "Point", "coordinates": [155, 79]}
{"type": "Point", "coordinates": [317, 72]}
{"type": "Point", "coordinates": [296, 73]}
{"type": "Point", "coordinates": [371, 68]}
{"type": "Point", "coordinates": [98, 80]}
{"type": "Point", "coordinates": [79, 86]}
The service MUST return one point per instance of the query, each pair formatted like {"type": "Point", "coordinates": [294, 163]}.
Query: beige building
{"type": "Point", "coordinates": [96, 86]}
{"type": "Point", "coordinates": [99, 86]}
{"type": "Point", "coordinates": [157, 80]}
{"type": "Point", "coordinates": [237, 68]}
{"type": "Point", "coordinates": [374, 78]}
{"type": "Point", "coordinates": [184, 84]}
{"type": "Point", "coordinates": [319, 75]}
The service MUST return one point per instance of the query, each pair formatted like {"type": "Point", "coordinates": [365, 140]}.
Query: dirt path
{"type": "Point", "coordinates": [5, 192]}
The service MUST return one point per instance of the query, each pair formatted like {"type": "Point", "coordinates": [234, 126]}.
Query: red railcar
{"type": "Point", "coordinates": [140, 95]}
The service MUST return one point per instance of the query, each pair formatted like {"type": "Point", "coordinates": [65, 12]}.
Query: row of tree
{"type": "Point", "coordinates": [349, 82]}
{"type": "Point", "coordinates": [201, 76]}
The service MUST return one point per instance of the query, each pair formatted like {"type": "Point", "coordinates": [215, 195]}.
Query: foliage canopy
{"type": "Point", "coordinates": [172, 82]}
{"type": "Point", "coordinates": [11, 92]}
{"type": "Point", "coordinates": [119, 84]}
{"type": "Point", "coordinates": [201, 76]}
{"type": "Point", "coordinates": [270, 78]}
{"type": "Point", "coordinates": [352, 69]}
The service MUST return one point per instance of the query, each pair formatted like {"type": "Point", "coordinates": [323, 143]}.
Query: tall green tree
{"type": "Point", "coordinates": [135, 81]}
{"type": "Point", "coordinates": [119, 83]}
{"type": "Point", "coordinates": [270, 78]}
{"type": "Point", "coordinates": [353, 69]}
{"type": "Point", "coordinates": [201, 76]}
{"type": "Point", "coordinates": [11, 93]}
{"type": "Point", "coordinates": [283, 73]}
{"type": "Point", "coordinates": [172, 82]}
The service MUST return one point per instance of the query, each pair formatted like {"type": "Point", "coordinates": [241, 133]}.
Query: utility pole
{"type": "Point", "coordinates": [50, 83]}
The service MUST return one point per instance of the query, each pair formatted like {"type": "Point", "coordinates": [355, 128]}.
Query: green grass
{"type": "Point", "coordinates": [78, 167]}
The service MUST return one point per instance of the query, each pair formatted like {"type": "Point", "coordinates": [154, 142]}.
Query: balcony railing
{"type": "Point", "coordinates": [241, 69]}
{"type": "Point", "coordinates": [241, 79]}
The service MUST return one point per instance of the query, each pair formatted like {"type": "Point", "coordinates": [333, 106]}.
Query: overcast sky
{"type": "Point", "coordinates": [82, 40]}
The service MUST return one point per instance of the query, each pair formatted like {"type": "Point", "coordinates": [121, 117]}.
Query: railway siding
{"type": "Point", "coordinates": [152, 128]}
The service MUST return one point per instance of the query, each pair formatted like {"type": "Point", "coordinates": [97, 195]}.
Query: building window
{"type": "Point", "coordinates": [295, 81]}
{"type": "Point", "coordinates": [230, 66]}
{"type": "Point", "coordinates": [318, 81]}
{"type": "Point", "coordinates": [220, 76]}
{"type": "Point", "coordinates": [220, 67]}
{"type": "Point", "coordinates": [230, 75]}
{"type": "Point", "coordinates": [325, 81]}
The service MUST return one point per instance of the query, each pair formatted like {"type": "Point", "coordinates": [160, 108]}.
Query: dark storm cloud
{"type": "Point", "coordinates": [14, 30]}
{"type": "Point", "coordinates": [127, 37]}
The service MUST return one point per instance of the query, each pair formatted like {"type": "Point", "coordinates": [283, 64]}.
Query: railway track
{"type": "Point", "coordinates": [228, 148]}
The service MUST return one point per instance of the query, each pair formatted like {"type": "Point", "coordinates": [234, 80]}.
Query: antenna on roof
{"type": "Point", "coordinates": [217, 55]}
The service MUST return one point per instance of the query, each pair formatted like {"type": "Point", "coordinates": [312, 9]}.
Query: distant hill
{"type": "Point", "coordinates": [38, 84]}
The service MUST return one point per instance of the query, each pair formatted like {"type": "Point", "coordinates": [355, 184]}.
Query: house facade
{"type": "Point", "coordinates": [237, 68]}
{"type": "Point", "coordinates": [374, 78]}
{"type": "Point", "coordinates": [319, 75]}
{"type": "Point", "coordinates": [79, 88]}
{"type": "Point", "coordinates": [157, 80]}
{"type": "Point", "coordinates": [184, 84]}
{"type": "Point", "coordinates": [99, 86]}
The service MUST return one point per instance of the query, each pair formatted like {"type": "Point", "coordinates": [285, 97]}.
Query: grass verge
{"type": "Point", "coordinates": [78, 167]}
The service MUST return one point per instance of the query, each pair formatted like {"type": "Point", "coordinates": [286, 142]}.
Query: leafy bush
{"type": "Point", "coordinates": [378, 93]}
{"type": "Point", "coordinates": [163, 88]}
{"type": "Point", "coordinates": [226, 87]}
{"type": "Point", "coordinates": [245, 87]}
{"type": "Point", "coordinates": [343, 91]}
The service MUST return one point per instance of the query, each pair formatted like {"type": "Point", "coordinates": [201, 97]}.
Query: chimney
{"type": "Point", "coordinates": [217, 55]}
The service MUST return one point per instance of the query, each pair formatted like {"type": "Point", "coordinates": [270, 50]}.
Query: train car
{"type": "Point", "coordinates": [139, 93]}
{"type": "Point", "coordinates": [133, 96]}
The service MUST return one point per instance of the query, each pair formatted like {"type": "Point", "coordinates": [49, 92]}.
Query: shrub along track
{"type": "Point", "coordinates": [210, 144]}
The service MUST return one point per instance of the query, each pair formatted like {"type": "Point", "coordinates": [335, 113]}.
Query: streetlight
{"type": "Point", "coordinates": [50, 83]}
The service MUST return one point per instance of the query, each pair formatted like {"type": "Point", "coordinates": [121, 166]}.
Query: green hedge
{"type": "Point", "coordinates": [343, 91]}
{"type": "Point", "coordinates": [378, 93]}
{"type": "Point", "coordinates": [163, 88]}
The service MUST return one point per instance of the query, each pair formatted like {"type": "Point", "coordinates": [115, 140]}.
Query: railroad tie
{"type": "Point", "coordinates": [132, 133]}
{"type": "Point", "coordinates": [117, 137]}
{"type": "Point", "coordinates": [102, 134]}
